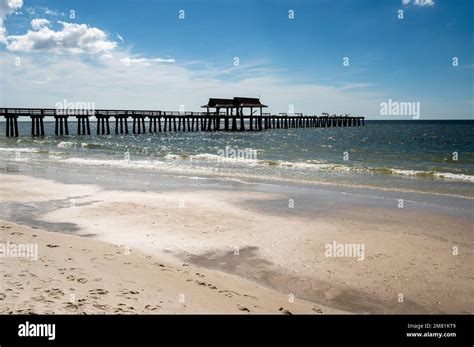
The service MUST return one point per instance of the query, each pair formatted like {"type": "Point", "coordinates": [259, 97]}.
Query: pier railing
{"type": "Point", "coordinates": [166, 121]}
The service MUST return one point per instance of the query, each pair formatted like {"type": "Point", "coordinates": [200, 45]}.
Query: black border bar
{"type": "Point", "coordinates": [238, 329]}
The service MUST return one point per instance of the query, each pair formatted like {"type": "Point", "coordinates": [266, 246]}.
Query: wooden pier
{"type": "Point", "coordinates": [233, 119]}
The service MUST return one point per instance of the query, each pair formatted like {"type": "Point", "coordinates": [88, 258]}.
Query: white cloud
{"type": "Point", "coordinates": [38, 23]}
{"type": "Point", "coordinates": [420, 3]}
{"type": "Point", "coordinates": [74, 38]}
{"type": "Point", "coordinates": [71, 38]}
{"type": "Point", "coordinates": [31, 11]}
{"type": "Point", "coordinates": [423, 2]}
{"type": "Point", "coordinates": [7, 7]}
{"type": "Point", "coordinates": [145, 61]}
{"type": "Point", "coordinates": [355, 86]}
{"type": "Point", "coordinates": [111, 84]}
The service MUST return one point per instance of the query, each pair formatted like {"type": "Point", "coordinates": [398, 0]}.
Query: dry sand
{"type": "Point", "coordinates": [80, 275]}
{"type": "Point", "coordinates": [210, 239]}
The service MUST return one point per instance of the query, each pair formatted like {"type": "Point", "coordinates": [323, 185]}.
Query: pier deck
{"type": "Point", "coordinates": [144, 121]}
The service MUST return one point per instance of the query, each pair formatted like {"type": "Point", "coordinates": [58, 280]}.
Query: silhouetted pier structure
{"type": "Point", "coordinates": [143, 121]}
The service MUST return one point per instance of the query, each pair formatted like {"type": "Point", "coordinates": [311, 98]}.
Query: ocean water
{"type": "Point", "coordinates": [435, 157]}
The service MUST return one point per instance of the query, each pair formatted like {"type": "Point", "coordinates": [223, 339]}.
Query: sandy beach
{"type": "Point", "coordinates": [75, 275]}
{"type": "Point", "coordinates": [211, 251]}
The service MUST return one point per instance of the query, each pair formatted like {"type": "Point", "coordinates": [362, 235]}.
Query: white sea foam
{"type": "Point", "coordinates": [177, 163]}
{"type": "Point", "coordinates": [440, 175]}
{"type": "Point", "coordinates": [457, 177]}
{"type": "Point", "coordinates": [65, 144]}
{"type": "Point", "coordinates": [22, 150]}
{"type": "Point", "coordinates": [316, 165]}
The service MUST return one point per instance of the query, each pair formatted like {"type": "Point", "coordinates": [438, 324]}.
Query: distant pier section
{"type": "Point", "coordinates": [237, 114]}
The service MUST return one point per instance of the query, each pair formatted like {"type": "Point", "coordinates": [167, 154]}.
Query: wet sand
{"type": "Point", "coordinates": [239, 243]}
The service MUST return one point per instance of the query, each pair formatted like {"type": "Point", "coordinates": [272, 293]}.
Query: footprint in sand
{"type": "Point", "coordinates": [38, 298]}
{"type": "Point", "coordinates": [121, 310]}
{"type": "Point", "coordinates": [152, 308]}
{"type": "Point", "coordinates": [101, 306]}
{"type": "Point", "coordinates": [244, 309]}
{"type": "Point", "coordinates": [284, 311]}
{"type": "Point", "coordinates": [55, 293]}
{"type": "Point", "coordinates": [228, 293]}
{"type": "Point", "coordinates": [98, 291]}
{"type": "Point", "coordinates": [70, 306]}
{"type": "Point", "coordinates": [73, 278]}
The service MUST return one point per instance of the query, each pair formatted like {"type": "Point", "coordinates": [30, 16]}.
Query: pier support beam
{"type": "Point", "coordinates": [37, 126]}
{"type": "Point", "coordinates": [153, 125]}
{"type": "Point", "coordinates": [60, 125]}
{"type": "Point", "coordinates": [103, 126]}
{"type": "Point", "coordinates": [121, 125]}
{"type": "Point", "coordinates": [12, 126]}
{"type": "Point", "coordinates": [81, 125]}
{"type": "Point", "coordinates": [138, 125]}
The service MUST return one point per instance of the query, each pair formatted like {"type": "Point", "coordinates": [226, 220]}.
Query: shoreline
{"type": "Point", "coordinates": [154, 167]}
{"type": "Point", "coordinates": [399, 164]}
{"type": "Point", "coordinates": [403, 247]}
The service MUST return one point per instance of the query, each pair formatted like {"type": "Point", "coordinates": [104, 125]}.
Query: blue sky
{"type": "Point", "coordinates": [297, 62]}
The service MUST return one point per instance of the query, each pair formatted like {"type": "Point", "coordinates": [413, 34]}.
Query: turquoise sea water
{"type": "Point", "coordinates": [426, 156]}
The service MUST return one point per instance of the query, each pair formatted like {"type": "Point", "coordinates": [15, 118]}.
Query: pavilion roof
{"type": "Point", "coordinates": [248, 102]}
{"type": "Point", "coordinates": [221, 103]}
{"type": "Point", "coordinates": [235, 102]}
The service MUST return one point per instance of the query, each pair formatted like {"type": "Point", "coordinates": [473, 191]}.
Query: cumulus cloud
{"type": "Point", "coordinates": [7, 7]}
{"type": "Point", "coordinates": [71, 38]}
{"type": "Point", "coordinates": [38, 23]}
